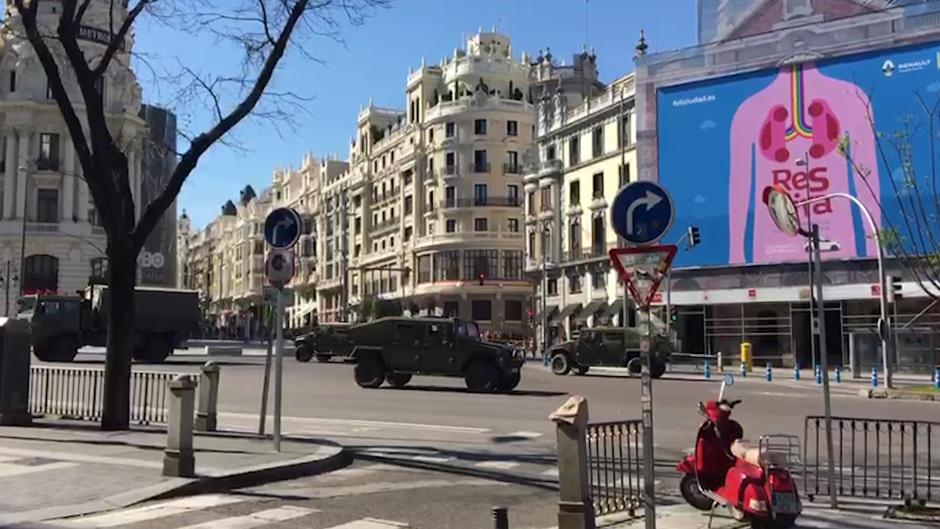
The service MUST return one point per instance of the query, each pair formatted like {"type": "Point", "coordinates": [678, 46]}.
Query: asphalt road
{"type": "Point", "coordinates": [433, 455]}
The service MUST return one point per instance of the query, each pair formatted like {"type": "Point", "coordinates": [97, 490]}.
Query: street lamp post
{"type": "Point", "coordinates": [8, 278]}
{"type": "Point", "coordinates": [545, 333]}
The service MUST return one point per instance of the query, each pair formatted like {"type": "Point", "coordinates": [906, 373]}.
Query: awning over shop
{"type": "Point", "coordinates": [615, 308]}
{"type": "Point", "coordinates": [589, 311]}
{"type": "Point", "coordinates": [549, 309]}
{"type": "Point", "coordinates": [567, 311]}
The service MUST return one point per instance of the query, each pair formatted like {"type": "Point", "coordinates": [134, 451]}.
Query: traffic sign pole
{"type": "Point", "coordinates": [646, 403]}
{"type": "Point", "coordinates": [278, 366]}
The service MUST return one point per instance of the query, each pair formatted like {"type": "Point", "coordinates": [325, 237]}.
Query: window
{"type": "Point", "coordinates": [450, 226]}
{"type": "Point", "coordinates": [447, 266]}
{"type": "Point", "coordinates": [479, 126]}
{"type": "Point", "coordinates": [479, 162]}
{"type": "Point", "coordinates": [597, 236]}
{"type": "Point", "coordinates": [597, 141]}
{"type": "Point", "coordinates": [450, 129]}
{"type": "Point", "coordinates": [598, 280]}
{"type": "Point", "coordinates": [47, 205]}
{"type": "Point", "coordinates": [574, 284]}
{"type": "Point", "coordinates": [512, 195]}
{"type": "Point", "coordinates": [624, 175]}
{"type": "Point", "coordinates": [357, 225]}
{"type": "Point", "coordinates": [552, 287]}
{"type": "Point", "coordinates": [48, 152]}
{"type": "Point", "coordinates": [574, 150]}
{"type": "Point", "coordinates": [513, 226]}
{"type": "Point", "coordinates": [624, 133]}
{"type": "Point", "coordinates": [450, 160]}
{"type": "Point", "coordinates": [40, 274]}
{"type": "Point", "coordinates": [481, 262]}
{"type": "Point", "coordinates": [430, 167]}
{"type": "Point", "coordinates": [451, 309]}
{"type": "Point", "coordinates": [512, 162]}
{"type": "Point", "coordinates": [431, 202]}
{"type": "Point", "coordinates": [424, 269]}
{"type": "Point", "coordinates": [574, 238]}
{"type": "Point", "coordinates": [546, 198]}
{"type": "Point", "coordinates": [481, 310]}
{"type": "Point", "coordinates": [531, 244]}
{"type": "Point", "coordinates": [598, 186]}
{"type": "Point", "coordinates": [479, 224]}
{"type": "Point", "coordinates": [532, 203]}
{"type": "Point", "coordinates": [513, 310]}
{"type": "Point", "coordinates": [408, 232]}
{"type": "Point", "coordinates": [479, 195]}
{"type": "Point", "coordinates": [512, 264]}
{"type": "Point", "coordinates": [409, 205]}
{"type": "Point", "coordinates": [550, 153]}
{"type": "Point", "coordinates": [450, 199]}
{"type": "Point", "coordinates": [574, 193]}
{"type": "Point", "coordinates": [512, 128]}
{"type": "Point", "coordinates": [13, 81]}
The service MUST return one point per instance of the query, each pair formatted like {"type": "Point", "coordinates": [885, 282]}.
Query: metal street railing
{"type": "Point", "coordinates": [874, 458]}
{"type": "Point", "coordinates": [615, 465]}
{"type": "Point", "coordinates": [78, 393]}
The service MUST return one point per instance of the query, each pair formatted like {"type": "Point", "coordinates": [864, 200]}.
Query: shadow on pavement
{"type": "Point", "coordinates": [445, 389]}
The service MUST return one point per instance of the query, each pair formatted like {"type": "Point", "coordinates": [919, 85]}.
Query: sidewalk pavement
{"type": "Point", "coordinates": [58, 469]}
{"type": "Point", "coordinates": [852, 516]}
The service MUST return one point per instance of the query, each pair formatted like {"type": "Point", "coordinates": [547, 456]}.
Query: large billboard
{"type": "Point", "coordinates": [813, 128]}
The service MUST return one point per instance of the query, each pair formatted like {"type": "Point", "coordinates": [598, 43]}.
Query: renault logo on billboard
{"type": "Point", "coordinates": [888, 68]}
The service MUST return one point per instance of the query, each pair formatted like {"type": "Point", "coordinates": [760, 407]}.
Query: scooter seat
{"type": "Point", "coordinates": [745, 451]}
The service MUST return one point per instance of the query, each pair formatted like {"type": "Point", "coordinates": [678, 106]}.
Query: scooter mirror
{"type": "Point", "coordinates": [729, 379]}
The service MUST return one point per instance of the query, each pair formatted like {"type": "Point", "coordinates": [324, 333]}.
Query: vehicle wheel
{"type": "Point", "coordinates": [688, 486]}
{"type": "Point", "coordinates": [658, 368]}
{"type": "Point", "coordinates": [582, 370]}
{"type": "Point", "coordinates": [369, 371]}
{"type": "Point", "coordinates": [154, 350]}
{"type": "Point", "coordinates": [398, 380]}
{"type": "Point", "coordinates": [561, 365]}
{"type": "Point", "coordinates": [323, 359]}
{"type": "Point", "coordinates": [66, 348]}
{"type": "Point", "coordinates": [482, 377]}
{"type": "Point", "coordinates": [303, 353]}
{"type": "Point", "coordinates": [510, 381]}
{"type": "Point", "coordinates": [635, 366]}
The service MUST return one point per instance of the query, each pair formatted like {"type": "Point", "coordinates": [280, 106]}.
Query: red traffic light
{"type": "Point", "coordinates": [482, 279]}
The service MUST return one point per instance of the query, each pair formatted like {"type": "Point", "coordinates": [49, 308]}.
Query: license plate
{"type": "Point", "coordinates": [784, 503]}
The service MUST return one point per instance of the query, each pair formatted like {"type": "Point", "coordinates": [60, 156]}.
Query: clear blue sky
{"type": "Point", "coordinates": [374, 62]}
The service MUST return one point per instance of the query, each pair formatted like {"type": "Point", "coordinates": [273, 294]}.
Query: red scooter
{"type": "Point", "coordinates": [725, 470]}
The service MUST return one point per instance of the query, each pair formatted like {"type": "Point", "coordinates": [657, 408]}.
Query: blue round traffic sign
{"type": "Point", "coordinates": [282, 228]}
{"type": "Point", "coordinates": [642, 212]}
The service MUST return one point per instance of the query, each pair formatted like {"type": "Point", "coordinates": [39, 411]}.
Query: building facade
{"type": "Point", "coordinates": [783, 100]}
{"type": "Point", "coordinates": [45, 201]}
{"type": "Point", "coordinates": [586, 153]}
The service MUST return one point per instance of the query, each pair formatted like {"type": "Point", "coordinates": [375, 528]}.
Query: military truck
{"type": "Point", "coordinates": [608, 346]}
{"type": "Point", "coordinates": [395, 348]}
{"type": "Point", "coordinates": [62, 324]}
{"type": "Point", "coordinates": [324, 342]}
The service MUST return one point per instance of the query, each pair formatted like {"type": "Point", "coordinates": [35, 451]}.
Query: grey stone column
{"type": "Point", "coordinates": [9, 175]}
{"type": "Point", "coordinates": [178, 457]}
{"type": "Point", "coordinates": [207, 414]}
{"type": "Point", "coordinates": [575, 506]}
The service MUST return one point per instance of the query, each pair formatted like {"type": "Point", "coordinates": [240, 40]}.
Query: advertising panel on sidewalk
{"type": "Point", "coordinates": [834, 126]}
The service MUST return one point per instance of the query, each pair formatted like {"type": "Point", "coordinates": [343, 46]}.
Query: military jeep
{"type": "Point", "coordinates": [324, 341]}
{"type": "Point", "coordinates": [608, 346]}
{"type": "Point", "coordinates": [393, 349]}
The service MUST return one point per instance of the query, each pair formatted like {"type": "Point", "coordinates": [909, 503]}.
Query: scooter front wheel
{"type": "Point", "coordinates": [690, 490]}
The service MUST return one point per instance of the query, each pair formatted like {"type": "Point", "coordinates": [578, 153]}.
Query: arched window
{"type": "Point", "coordinates": [40, 274]}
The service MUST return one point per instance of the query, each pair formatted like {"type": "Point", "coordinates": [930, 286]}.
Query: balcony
{"type": "Point", "coordinates": [577, 254]}
{"type": "Point", "coordinates": [483, 202]}
{"type": "Point", "coordinates": [482, 167]}
{"type": "Point", "coordinates": [47, 164]}
{"type": "Point", "coordinates": [466, 237]}
{"type": "Point", "coordinates": [512, 168]}
{"type": "Point", "coordinates": [386, 225]}
{"type": "Point", "coordinates": [42, 227]}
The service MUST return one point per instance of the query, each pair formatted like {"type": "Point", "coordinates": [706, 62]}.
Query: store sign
{"type": "Point", "coordinates": [97, 35]}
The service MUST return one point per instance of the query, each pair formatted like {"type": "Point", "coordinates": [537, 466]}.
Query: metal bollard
{"type": "Point", "coordinates": [838, 374]}
{"type": "Point", "coordinates": [721, 364]}
{"type": "Point", "coordinates": [874, 377]}
{"type": "Point", "coordinates": [743, 370]}
{"type": "Point", "coordinates": [818, 374]}
{"type": "Point", "coordinates": [936, 378]}
{"type": "Point", "coordinates": [769, 375]}
{"type": "Point", "coordinates": [708, 370]}
{"type": "Point", "coordinates": [207, 410]}
{"type": "Point", "coordinates": [500, 518]}
{"type": "Point", "coordinates": [178, 459]}
{"type": "Point", "coordinates": [796, 372]}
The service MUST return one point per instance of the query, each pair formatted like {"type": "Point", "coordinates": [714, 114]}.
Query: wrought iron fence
{"type": "Point", "coordinates": [874, 458]}
{"type": "Point", "coordinates": [78, 393]}
{"type": "Point", "coordinates": [615, 465]}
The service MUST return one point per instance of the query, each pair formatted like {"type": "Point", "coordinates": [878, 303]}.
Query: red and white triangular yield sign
{"type": "Point", "coordinates": [642, 269]}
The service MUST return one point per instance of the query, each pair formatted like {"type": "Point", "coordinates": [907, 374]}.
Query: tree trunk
{"type": "Point", "coordinates": [122, 268]}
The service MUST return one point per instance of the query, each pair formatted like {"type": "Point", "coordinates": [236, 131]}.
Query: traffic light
{"type": "Point", "coordinates": [695, 238]}
{"type": "Point", "coordinates": [673, 313]}
{"type": "Point", "coordinates": [482, 278]}
{"type": "Point", "coordinates": [894, 288]}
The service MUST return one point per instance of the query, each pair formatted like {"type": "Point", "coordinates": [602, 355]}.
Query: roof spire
{"type": "Point", "coordinates": [641, 46]}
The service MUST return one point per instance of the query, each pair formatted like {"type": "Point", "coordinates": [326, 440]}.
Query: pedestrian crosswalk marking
{"type": "Point", "coordinates": [256, 519]}
{"type": "Point", "coordinates": [370, 523]}
{"type": "Point", "coordinates": [11, 469]}
{"type": "Point", "coordinates": [151, 512]}
{"type": "Point", "coordinates": [552, 472]}
{"type": "Point", "coordinates": [524, 434]}
{"type": "Point", "coordinates": [431, 459]}
{"type": "Point", "coordinates": [497, 465]}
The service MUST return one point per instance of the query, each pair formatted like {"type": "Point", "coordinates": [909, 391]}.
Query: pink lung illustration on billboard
{"type": "Point", "coordinates": [789, 134]}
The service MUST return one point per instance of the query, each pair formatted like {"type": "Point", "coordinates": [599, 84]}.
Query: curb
{"type": "Point", "coordinates": [176, 487]}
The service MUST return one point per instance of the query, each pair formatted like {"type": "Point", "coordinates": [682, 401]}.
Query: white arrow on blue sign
{"type": "Point", "coordinates": [282, 228]}
{"type": "Point", "coordinates": [642, 212]}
